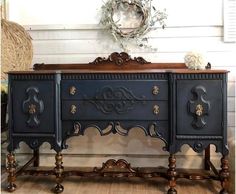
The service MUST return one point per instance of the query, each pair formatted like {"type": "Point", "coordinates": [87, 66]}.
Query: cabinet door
{"type": "Point", "coordinates": [33, 106]}
{"type": "Point", "coordinates": [199, 106]}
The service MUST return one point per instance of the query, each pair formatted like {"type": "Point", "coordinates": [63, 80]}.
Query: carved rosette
{"type": "Point", "coordinates": [119, 59]}
{"type": "Point", "coordinates": [33, 107]}
{"type": "Point", "coordinates": [199, 107]}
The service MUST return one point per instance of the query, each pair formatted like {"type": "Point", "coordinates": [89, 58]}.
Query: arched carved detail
{"type": "Point", "coordinates": [119, 59]}
{"type": "Point", "coordinates": [33, 143]}
{"type": "Point", "coordinates": [114, 127]}
{"type": "Point", "coordinates": [199, 146]}
{"type": "Point", "coordinates": [33, 107]}
{"type": "Point", "coordinates": [198, 107]}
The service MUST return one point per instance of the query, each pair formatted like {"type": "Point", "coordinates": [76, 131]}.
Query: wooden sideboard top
{"type": "Point", "coordinates": [119, 71]}
{"type": "Point", "coordinates": [115, 63]}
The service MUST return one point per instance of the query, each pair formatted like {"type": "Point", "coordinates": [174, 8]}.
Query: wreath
{"type": "Point", "coordinates": [143, 9]}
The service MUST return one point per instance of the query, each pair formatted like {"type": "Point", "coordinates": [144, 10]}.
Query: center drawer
{"type": "Point", "coordinates": [114, 110]}
{"type": "Point", "coordinates": [115, 90]}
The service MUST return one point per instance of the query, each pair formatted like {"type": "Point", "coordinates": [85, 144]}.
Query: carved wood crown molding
{"type": "Point", "coordinates": [119, 59]}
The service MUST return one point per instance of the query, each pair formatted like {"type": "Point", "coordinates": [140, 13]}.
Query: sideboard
{"type": "Point", "coordinates": [166, 100]}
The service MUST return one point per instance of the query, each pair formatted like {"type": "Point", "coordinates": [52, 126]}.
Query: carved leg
{"type": "Point", "coordinates": [11, 169]}
{"type": "Point", "coordinates": [58, 172]}
{"type": "Point", "coordinates": [207, 157]}
{"type": "Point", "coordinates": [224, 175]}
{"type": "Point", "coordinates": [36, 156]}
{"type": "Point", "coordinates": [171, 173]}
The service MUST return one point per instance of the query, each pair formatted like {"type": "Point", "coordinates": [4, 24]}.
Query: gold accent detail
{"type": "Point", "coordinates": [72, 90]}
{"type": "Point", "coordinates": [156, 109]}
{"type": "Point", "coordinates": [155, 90]}
{"type": "Point", "coordinates": [199, 110]}
{"type": "Point", "coordinates": [32, 109]}
{"type": "Point", "coordinates": [73, 109]}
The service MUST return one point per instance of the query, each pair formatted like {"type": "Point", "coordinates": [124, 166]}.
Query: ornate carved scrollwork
{"type": "Point", "coordinates": [116, 127]}
{"type": "Point", "coordinates": [199, 107]}
{"type": "Point", "coordinates": [119, 100]}
{"type": "Point", "coordinates": [119, 165]}
{"type": "Point", "coordinates": [33, 106]}
{"type": "Point", "coordinates": [119, 59]}
{"type": "Point", "coordinates": [154, 132]}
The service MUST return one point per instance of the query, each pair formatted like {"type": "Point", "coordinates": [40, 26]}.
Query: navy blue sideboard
{"type": "Point", "coordinates": [113, 95]}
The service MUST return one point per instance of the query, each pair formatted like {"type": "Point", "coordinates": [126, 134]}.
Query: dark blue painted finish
{"type": "Point", "coordinates": [120, 101]}
{"type": "Point", "coordinates": [46, 97]}
{"type": "Point", "coordinates": [89, 89]}
{"type": "Point", "coordinates": [137, 110]}
{"type": "Point", "coordinates": [46, 93]}
{"type": "Point", "coordinates": [182, 130]}
{"type": "Point", "coordinates": [213, 95]}
{"type": "Point", "coordinates": [155, 129]}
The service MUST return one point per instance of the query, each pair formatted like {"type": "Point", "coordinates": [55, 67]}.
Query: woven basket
{"type": "Point", "coordinates": [17, 48]}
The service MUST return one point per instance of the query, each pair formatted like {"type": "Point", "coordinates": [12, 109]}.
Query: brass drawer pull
{"type": "Point", "coordinates": [72, 90]}
{"type": "Point", "coordinates": [199, 110]}
{"type": "Point", "coordinates": [155, 90]}
{"type": "Point", "coordinates": [73, 109]}
{"type": "Point", "coordinates": [32, 109]}
{"type": "Point", "coordinates": [156, 109]}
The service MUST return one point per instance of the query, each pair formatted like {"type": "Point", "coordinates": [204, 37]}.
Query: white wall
{"type": "Point", "coordinates": [76, 37]}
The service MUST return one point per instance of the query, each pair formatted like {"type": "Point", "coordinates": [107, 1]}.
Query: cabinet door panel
{"type": "Point", "coordinates": [33, 106]}
{"type": "Point", "coordinates": [199, 107]}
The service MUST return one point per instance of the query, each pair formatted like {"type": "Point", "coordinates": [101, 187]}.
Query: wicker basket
{"type": "Point", "coordinates": [17, 49]}
{"type": "Point", "coordinates": [16, 54]}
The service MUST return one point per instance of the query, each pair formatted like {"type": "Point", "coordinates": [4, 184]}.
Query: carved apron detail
{"type": "Point", "coordinates": [116, 128]}
{"type": "Point", "coordinates": [199, 107]}
{"type": "Point", "coordinates": [33, 107]}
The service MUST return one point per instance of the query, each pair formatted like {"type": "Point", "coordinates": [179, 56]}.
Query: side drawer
{"type": "Point", "coordinates": [115, 89]}
{"type": "Point", "coordinates": [114, 110]}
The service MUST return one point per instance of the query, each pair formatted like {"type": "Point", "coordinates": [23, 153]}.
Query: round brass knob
{"type": "Point", "coordinates": [156, 109]}
{"type": "Point", "coordinates": [155, 90]}
{"type": "Point", "coordinates": [73, 109]}
{"type": "Point", "coordinates": [72, 90]}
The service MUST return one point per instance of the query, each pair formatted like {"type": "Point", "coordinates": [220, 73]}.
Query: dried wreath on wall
{"type": "Point", "coordinates": [130, 20]}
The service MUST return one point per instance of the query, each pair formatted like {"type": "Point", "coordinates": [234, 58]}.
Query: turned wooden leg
{"type": "Point", "coordinates": [171, 173]}
{"type": "Point", "coordinates": [58, 172]}
{"type": "Point", "coordinates": [36, 156]}
{"type": "Point", "coordinates": [207, 158]}
{"type": "Point", "coordinates": [11, 169]}
{"type": "Point", "coordinates": [224, 175]}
